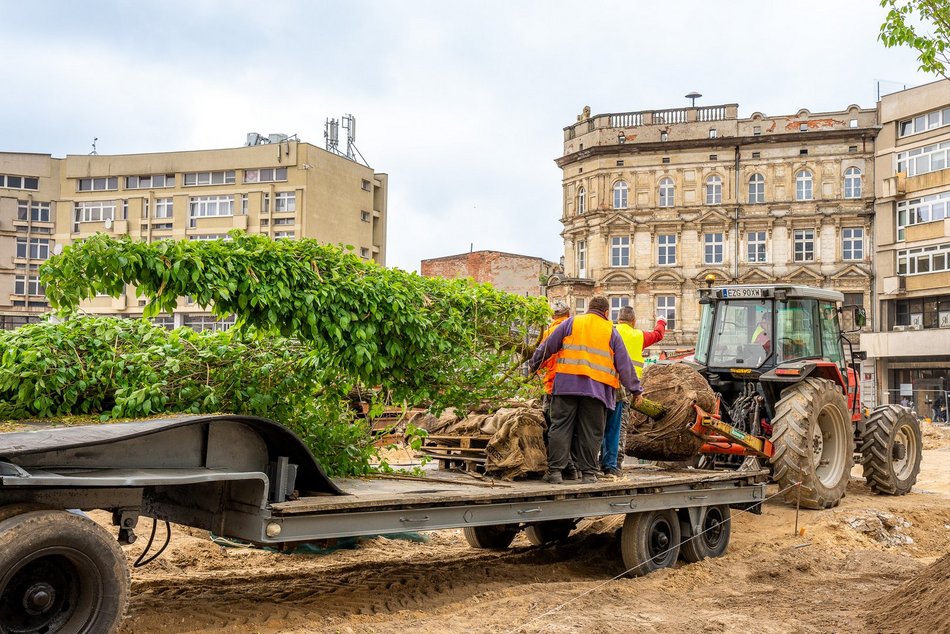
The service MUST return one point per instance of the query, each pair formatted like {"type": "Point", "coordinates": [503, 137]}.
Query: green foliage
{"type": "Point", "coordinates": [444, 342]}
{"type": "Point", "coordinates": [123, 368]}
{"type": "Point", "coordinates": [923, 25]}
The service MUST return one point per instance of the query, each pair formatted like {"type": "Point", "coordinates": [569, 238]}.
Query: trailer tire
{"type": "Point", "coordinates": [60, 572]}
{"type": "Point", "coordinates": [649, 541]}
{"type": "Point", "coordinates": [494, 537]}
{"type": "Point", "coordinates": [814, 443]}
{"type": "Point", "coordinates": [891, 447]}
{"type": "Point", "coordinates": [549, 532]}
{"type": "Point", "coordinates": [712, 540]}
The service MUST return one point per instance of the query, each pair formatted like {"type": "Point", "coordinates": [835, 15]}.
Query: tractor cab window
{"type": "Point", "coordinates": [830, 339]}
{"type": "Point", "coordinates": [797, 330]}
{"type": "Point", "coordinates": [742, 334]}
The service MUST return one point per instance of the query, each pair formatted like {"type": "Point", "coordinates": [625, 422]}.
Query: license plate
{"type": "Point", "coordinates": [743, 293]}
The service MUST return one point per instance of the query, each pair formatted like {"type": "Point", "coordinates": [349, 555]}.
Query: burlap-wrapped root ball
{"type": "Point", "coordinates": [677, 386]}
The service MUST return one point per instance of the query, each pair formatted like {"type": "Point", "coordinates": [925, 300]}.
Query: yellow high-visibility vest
{"type": "Point", "coordinates": [633, 340]}
{"type": "Point", "coordinates": [586, 351]}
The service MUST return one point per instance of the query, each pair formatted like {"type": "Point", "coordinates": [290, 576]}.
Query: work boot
{"type": "Point", "coordinates": [553, 477]}
{"type": "Point", "coordinates": [570, 473]}
{"type": "Point", "coordinates": [589, 477]}
{"type": "Point", "coordinates": [613, 472]}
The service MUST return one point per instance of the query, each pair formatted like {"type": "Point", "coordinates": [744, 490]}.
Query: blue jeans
{"type": "Point", "coordinates": [611, 444]}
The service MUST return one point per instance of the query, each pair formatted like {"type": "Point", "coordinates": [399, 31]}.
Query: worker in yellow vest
{"type": "Point", "coordinates": [547, 372]}
{"type": "Point", "coordinates": [635, 341]}
{"type": "Point", "coordinates": [592, 363]}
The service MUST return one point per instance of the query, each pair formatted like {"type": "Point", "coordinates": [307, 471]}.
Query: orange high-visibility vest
{"type": "Point", "coordinates": [633, 341]}
{"type": "Point", "coordinates": [586, 351]}
{"type": "Point", "coordinates": [547, 368]}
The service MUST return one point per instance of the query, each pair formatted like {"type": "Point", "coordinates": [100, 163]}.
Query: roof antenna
{"type": "Point", "coordinates": [94, 152]}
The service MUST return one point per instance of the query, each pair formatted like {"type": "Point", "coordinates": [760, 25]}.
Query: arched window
{"type": "Point", "coordinates": [803, 186]}
{"type": "Point", "coordinates": [714, 190]}
{"type": "Point", "coordinates": [756, 188]}
{"type": "Point", "coordinates": [666, 192]}
{"type": "Point", "coordinates": [620, 195]}
{"type": "Point", "coordinates": [581, 201]}
{"type": "Point", "coordinates": [852, 183]}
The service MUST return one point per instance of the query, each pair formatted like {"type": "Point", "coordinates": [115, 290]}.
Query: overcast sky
{"type": "Point", "coordinates": [462, 104]}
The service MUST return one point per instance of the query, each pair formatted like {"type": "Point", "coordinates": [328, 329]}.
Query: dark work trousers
{"type": "Point", "coordinates": [577, 429]}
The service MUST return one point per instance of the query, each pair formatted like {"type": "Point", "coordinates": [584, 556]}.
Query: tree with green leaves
{"type": "Point", "coordinates": [923, 25]}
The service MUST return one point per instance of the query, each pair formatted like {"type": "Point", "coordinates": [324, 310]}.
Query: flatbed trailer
{"type": "Point", "coordinates": [251, 479]}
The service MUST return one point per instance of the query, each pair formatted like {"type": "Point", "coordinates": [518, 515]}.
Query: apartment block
{"type": "Point", "coordinates": [285, 189]}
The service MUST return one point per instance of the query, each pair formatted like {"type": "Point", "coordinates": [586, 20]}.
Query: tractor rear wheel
{"type": "Point", "coordinates": [494, 537]}
{"type": "Point", "coordinates": [549, 532]}
{"type": "Point", "coordinates": [814, 443]}
{"type": "Point", "coordinates": [891, 448]}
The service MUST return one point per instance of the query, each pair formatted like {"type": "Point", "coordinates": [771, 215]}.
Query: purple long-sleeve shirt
{"type": "Point", "coordinates": [577, 385]}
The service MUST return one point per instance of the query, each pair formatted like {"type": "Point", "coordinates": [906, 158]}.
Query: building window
{"type": "Point", "coordinates": [27, 285]}
{"type": "Point", "coordinates": [620, 251]}
{"type": "Point", "coordinates": [32, 210]}
{"type": "Point", "coordinates": [755, 246]}
{"type": "Point", "coordinates": [205, 206]}
{"type": "Point", "coordinates": [164, 207]}
{"type": "Point", "coordinates": [852, 243]}
{"type": "Point", "coordinates": [581, 201]}
{"type": "Point", "coordinates": [284, 221]}
{"type": "Point", "coordinates": [713, 133]}
{"type": "Point", "coordinates": [756, 155]}
{"type": "Point", "coordinates": [928, 312]}
{"type": "Point", "coordinates": [266, 175]}
{"type": "Point", "coordinates": [932, 259]}
{"type": "Point", "coordinates": [285, 202]}
{"type": "Point", "coordinates": [616, 303]}
{"type": "Point", "coordinates": [153, 181]}
{"type": "Point", "coordinates": [924, 122]}
{"type": "Point", "coordinates": [666, 310]}
{"type": "Point", "coordinates": [666, 248]}
{"type": "Point", "coordinates": [210, 178]}
{"type": "Point", "coordinates": [98, 184]}
{"type": "Point", "coordinates": [205, 237]}
{"type": "Point", "coordinates": [582, 258]}
{"type": "Point", "coordinates": [712, 248]}
{"type": "Point", "coordinates": [19, 182]}
{"type": "Point", "coordinates": [803, 152]}
{"type": "Point", "coordinates": [366, 185]}
{"type": "Point", "coordinates": [853, 123]}
{"type": "Point", "coordinates": [95, 211]}
{"type": "Point", "coordinates": [756, 130]}
{"type": "Point", "coordinates": [804, 245]}
{"type": "Point", "coordinates": [852, 149]}
{"type": "Point", "coordinates": [803, 127]}
{"type": "Point", "coordinates": [667, 192]}
{"type": "Point", "coordinates": [713, 157]}
{"type": "Point", "coordinates": [713, 190]}
{"type": "Point", "coordinates": [243, 204]}
{"type": "Point", "coordinates": [365, 216]}
{"type": "Point", "coordinates": [35, 248]}
{"type": "Point", "coordinates": [757, 188]}
{"type": "Point", "coordinates": [930, 158]}
{"type": "Point", "coordinates": [364, 253]}
{"type": "Point", "coordinates": [852, 183]}
{"type": "Point", "coordinates": [665, 160]}
{"type": "Point", "coordinates": [803, 185]}
{"type": "Point", "coordinates": [207, 322]}
{"type": "Point", "coordinates": [664, 136]}
{"type": "Point", "coordinates": [919, 210]}
{"type": "Point", "coordinates": [620, 195]}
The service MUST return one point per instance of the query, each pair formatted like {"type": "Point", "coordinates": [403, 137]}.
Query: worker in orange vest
{"type": "Point", "coordinates": [547, 371]}
{"type": "Point", "coordinates": [592, 363]}
{"type": "Point", "coordinates": [635, 341]}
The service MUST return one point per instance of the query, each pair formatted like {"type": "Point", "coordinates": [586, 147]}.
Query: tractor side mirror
{"type": "Point", "coordinates": [860, 317]}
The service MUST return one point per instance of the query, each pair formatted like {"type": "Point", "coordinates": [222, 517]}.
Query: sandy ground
{"type": "Point", "coordinates": [831, 578]}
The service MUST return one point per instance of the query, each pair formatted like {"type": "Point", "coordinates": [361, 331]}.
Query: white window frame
{"type": "Point", "coordinates": [150, 181]}
{"type": "Point", "coordinates": [713, 190]}
{"type": "Point", "coordinates": [924, 260]}
{"type": "Point", "coordinates": [924, 160]}
{"type": "Point", "coordinates": [33, 211]}
{"type": "Point", "coordinates": [713, 248]}
{"type": "Point", "coordinates": [620, 251]}
{"type": "Point", "coordinates": [285, 202]}
{"type": "Point", "coordinates": [804, 238]}
{"type": "Point", "coordinates": [757, 247]}
{"type": "Point", "coordinates": [921, 210]}
{"type": "Point", "coordinates": [620, 195]}
{"type": "Point", "coordinates": [852, 183]}
{"type": "Point", "coordinates": [666, 249]}
{"type": "Point", "coordinates": [265, 175]}
{"type": "Point", "coordinates": [94, 210]}
{"type": "Point", "coordinates": [923, 122]}
{"type": "Point", "coordinates": [33, 248]}
{"type": "Point", "coordinates": [211, 206]}
{"type": "Point", "coordinates": [199, 179]}
{"type": "Point", "coordinates": [804, 185]}
{"type": "Point", "coordinates": [616, 303]}
{"type": "Point", "coordinates": [582, 258]}
{"type": "Point", "coordinates": [164, 208]}
{"type": "Point", "coordinates": [97, 184]}
{"type": "Point", "coordinates": [756, 189]}
{"type": "Point", "coordinates": [285, 235]}
{"type": "Point", "coordinates": [581, 201]}
{"type": "Point", "coordinates": [12, 181]}
{"type": "Point", "coordinates": [666, 310]}
{"type": "Point", "coordinates": [667, 189]}
{"type": "Point", "coordinates": [852, 243]}
{"type": "Point", "coordinates": [28, 285]}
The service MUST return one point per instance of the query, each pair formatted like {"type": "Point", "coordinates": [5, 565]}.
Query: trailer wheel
{"type": "Point", "coordinates": [649, 541]}
{"type": "Point", "coordinates": [891, 449]}
{"type": "Point", "coordinates": [712, 540]}
{"type": "Point", "coordinates": [496, 537]}
{"type": "Point", "coordinates": [814, 443]}
{"type": "Point", "coordinates": [60, 572]}
{"type": "Point", "coordinates": [548, 532]}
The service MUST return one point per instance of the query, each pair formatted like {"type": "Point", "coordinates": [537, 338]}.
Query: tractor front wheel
{"type": "Point", "coordinates": [814, 443]}
{"type": "Point", "coordinates": [891, 448]}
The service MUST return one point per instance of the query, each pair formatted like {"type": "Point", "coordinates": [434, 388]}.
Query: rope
{"type": "Point", "coordinates": [626, 572]}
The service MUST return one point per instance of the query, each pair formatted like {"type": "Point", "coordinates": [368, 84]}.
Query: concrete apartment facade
{"type": "Point", "coordinates": [656, 201]}
{"type": "Point", "coordinates": [519, 274]}
{"type": "Point", "coordinates": [286, 189]}
{"type": "Point", "coordinates": [910, 348]}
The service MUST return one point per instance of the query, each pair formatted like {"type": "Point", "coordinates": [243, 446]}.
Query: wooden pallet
{"type": "Point", "coordinates": [466, 453]}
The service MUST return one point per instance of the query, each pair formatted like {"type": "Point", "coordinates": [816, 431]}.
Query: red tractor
{"type": "Point", "coordinates": [775, 356]}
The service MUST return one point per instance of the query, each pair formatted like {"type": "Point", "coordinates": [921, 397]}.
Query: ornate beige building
{"type": "Point", "coordinates": [656, 201]}
{"type": "Point", "coordinates": [284, 189]}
